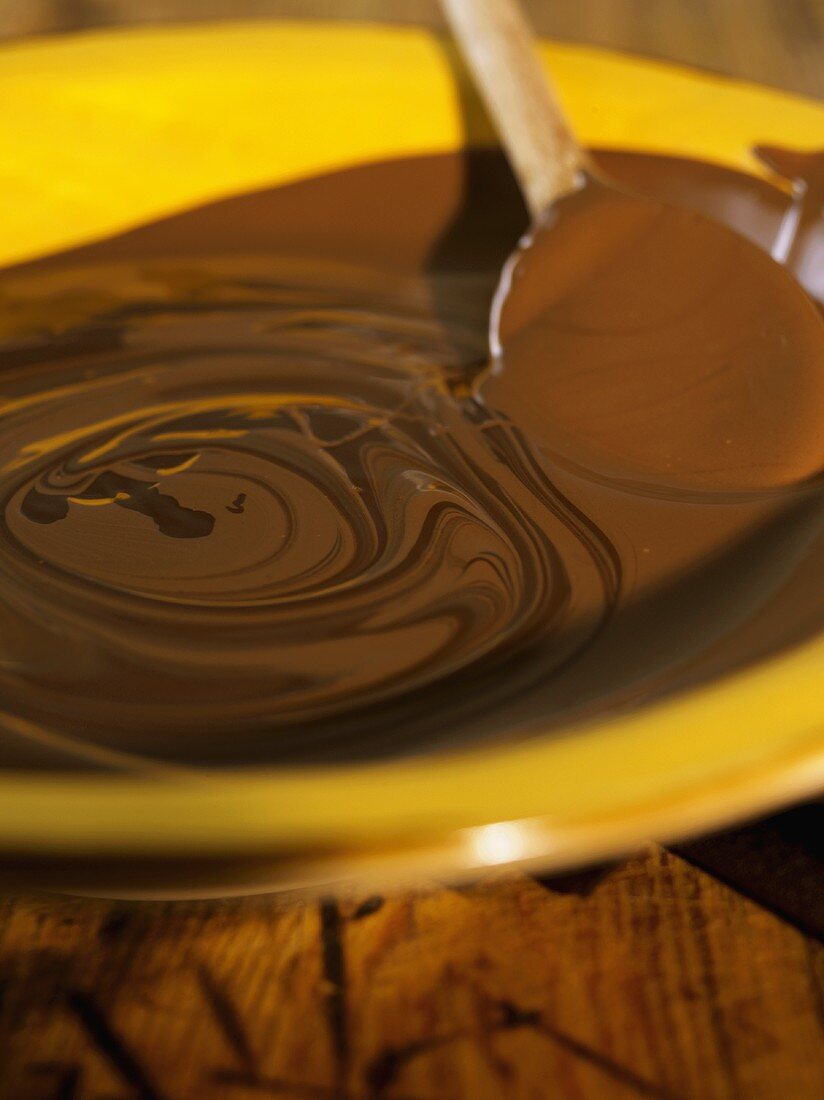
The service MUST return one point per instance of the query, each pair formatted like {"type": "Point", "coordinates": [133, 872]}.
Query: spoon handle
{"type": "Point", "coordinates": [498, 45]}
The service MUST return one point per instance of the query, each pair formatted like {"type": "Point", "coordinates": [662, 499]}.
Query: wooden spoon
{"type": "Point", "coordinates": [635, 340]}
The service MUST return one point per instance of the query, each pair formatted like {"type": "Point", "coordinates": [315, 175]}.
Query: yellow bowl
{"type": "Point", "coordinates": [112, 129]}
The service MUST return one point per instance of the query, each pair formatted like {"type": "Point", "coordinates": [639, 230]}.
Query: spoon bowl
{"type": "Point", "coordinates": [648, 344]}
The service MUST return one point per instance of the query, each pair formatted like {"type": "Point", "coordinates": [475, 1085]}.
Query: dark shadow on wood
{"type": "Point", "coordinates": [778, 862]}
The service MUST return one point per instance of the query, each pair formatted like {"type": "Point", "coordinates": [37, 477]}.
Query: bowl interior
{"type": "Point", "coordinates": [117, 129]}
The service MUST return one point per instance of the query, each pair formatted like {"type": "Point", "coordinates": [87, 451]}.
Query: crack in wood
{"type": "Point", "coordinates": [227, 1018]}
{"type": "Point", "coordinates": [367, 907]}
{"type": "Point", "coordinates": [383, 1070]}
{"type": "Point", "coordinates": [98, 1030]}
{"type": "Point", "coordinates": [334, 973]}
{"type": "Point", "coordinates": [607, 1065]}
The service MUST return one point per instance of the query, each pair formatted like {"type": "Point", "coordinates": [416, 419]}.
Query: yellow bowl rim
{"type": "Point", "coordinates": [741, 744]}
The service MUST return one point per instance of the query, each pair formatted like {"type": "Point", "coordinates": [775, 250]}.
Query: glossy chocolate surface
{"type": "Point", "coordinates": [263, 500]}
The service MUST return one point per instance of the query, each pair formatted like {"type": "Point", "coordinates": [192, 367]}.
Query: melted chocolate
{"type": "Point", "coordinates": [652, 346]}
{"type": "Point", "coordinates": [262, 500]}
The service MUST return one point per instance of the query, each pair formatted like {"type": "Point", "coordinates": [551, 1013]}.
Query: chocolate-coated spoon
{"type": "Point", "coordinates": [639, 341]}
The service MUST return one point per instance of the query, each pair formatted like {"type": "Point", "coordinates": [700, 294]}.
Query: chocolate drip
{"type": "Point", "coordinates": [256, 507]}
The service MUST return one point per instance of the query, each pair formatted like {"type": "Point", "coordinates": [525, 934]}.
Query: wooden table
{"type": "Point", "coordinates": [695, 974]}
{"type": "Point", "coordinates": [652, 979]}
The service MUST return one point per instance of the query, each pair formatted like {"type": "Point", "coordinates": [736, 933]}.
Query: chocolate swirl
{"type": "Point", "coordinates": [253, 511]}
{"type": "Point", "coordinates": [257, 502]}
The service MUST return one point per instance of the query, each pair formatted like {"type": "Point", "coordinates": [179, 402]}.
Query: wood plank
{"type": "Point", "coordinates": [656, 981]}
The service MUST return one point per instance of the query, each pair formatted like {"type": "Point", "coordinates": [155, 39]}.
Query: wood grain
{"type": "Point", "coordinates": [651, 980]}
{"type": "Point", "coordinates": [660, 978]}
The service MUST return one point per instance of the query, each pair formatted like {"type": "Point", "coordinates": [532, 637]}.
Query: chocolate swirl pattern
{"type": "Point", "coordinates": [260, 503]}
{"type": "Point", "coordinates": [252, 511]}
